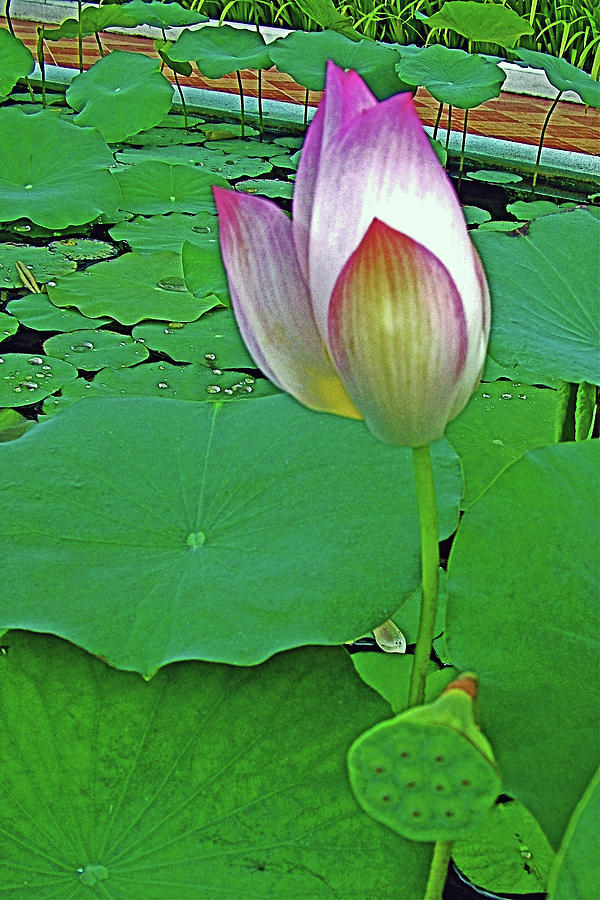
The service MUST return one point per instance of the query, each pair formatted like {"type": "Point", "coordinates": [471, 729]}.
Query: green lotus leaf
{"type": "Point", "coordinates": [13, 425]}
{"type": "Point", "coordinates": [220, 533]}
{"type": "Point", "coordinates": [26, 379]}
{"type": "Point", "coordinates": [130, 288]}
{"type": "Point", "coordinates": [267, 187]}
{"type": "Point", "coordinates": [93, 349]}
{"type": "Point", "coordinates": [83, 248]}
{"type": "Point", "coordinates": [575, 874]}
{"type": "Point", "coordinates": [475, 216]}
{"type": "Point", "coordinates": [452, 76]}
{"type": "Point", "coordinates": [157, 187]}
{"type": "Point", "coordinates": [528, 210]}
{"type": "Point", "coordinates": [203, 271]}
{"type": "Point", "coordinates": [493, 177]}
{"type": "Point", "coordinates": [500, 225]}
{"type": "Point", "coordinates": [167, 232]}
{"type": "Point", "coordinates": [41, 262]}
{"type": "Point", "coordinates": [326, 14]}
{"type": "Point", "coordinates": [490, 23]}
{"type": "Point", "coordinates": [159, 379]}
{"type": "Point", "coordinates": [125, 15]}
{"type": "Point", "coordinates": [182, 68]}
{"type": "Point", "coordinates": [221, 50]}
{"type": "Point", "coordinates": [286, 162]}
{"type": "Point", "coordinates": [121, 94]}
{"type": "Point", "coordinates": [213, 340]}
{"type": "Point", "coordinates": [304, 55]}
{"type": "Point", "coordinates": [160, 14]}
{"type": "Point", "coordinates": [16, 61]}
{"type": "Point", "coordinates": [511, 855]}
{"type": "Point", "coordinates": [204, 777]}
{"type": "Point", "coordinates": [9, 325]}
{"type": "Point", "coordinates": [239, 147]}
{"type": "Point", "coordinates": [562, 75]}
{"type": "Point", "coordinates": [164, 135]}
{"type": "Point", "coordinates": [37, 312]}
{"type": "Point", "coordinates": [209, 160]}
{"type": "Point", "coordinates": [53, 172]}
{"type": "Point", "coordinates": [499, 424]}
{"type": "Point", "coordinates": [533, 594]}
{"type": "Point", "coordinates": [544, 296]}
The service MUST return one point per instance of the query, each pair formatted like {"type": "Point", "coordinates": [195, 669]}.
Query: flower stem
{"type": "Point", "coordinates": [430, 561]}
{"type": "Point", "coordinates": [438, 870]}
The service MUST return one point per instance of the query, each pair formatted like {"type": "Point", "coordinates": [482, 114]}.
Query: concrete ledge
{"type": "Point", "coordinates": [520, 79]}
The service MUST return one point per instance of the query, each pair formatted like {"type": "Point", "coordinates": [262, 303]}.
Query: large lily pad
{"type": "Point", "coordinates": [190, 382]}
{"type": "Point", "coordinates": [525, 617]}
{"type": "Point", "coordinates": [219, 51]}
{"type": "Point", "coordinates": [125, 15]}
{"type": "Point", "coordinates": [562, 75]}
{"type": "Point", "coordinates": [545, 295]}
{"type": "Point", "coordinates": [500, 423]}
{"type": "Point", "coordinates": [452, 76]}
{"type": "Point", "coordinates": [213, 340]}
{"type": "Point", "coordinates": [16, 61]}
{"type": "Point", "coordinates": [121, 94]}
{"type": "Point", "coordinates": [202, 779]}
{"type": "Point", "coordinates": [304, 55]}
{"type": "Point", "coordinates": [210, 160]}
{"type": "Point", "coordinates": [150, 234]}
{"type": "Point", "coordinates": [53, 172]}
{"type": "Point", "coordinates": [157, 187]}
{"type": "Point", "coordinates": [93, 349]}
{"type": "Point", "coordinates": [41, 262]}
{"type": "Point", "coordinates": [209, 530]}
{"type": "Point", "coordinates": [133, 287]}
{"type": "Point", "coordinates": [37, 312]}
{"type": "Point", "coordinates": [576, 873]}
{"type": "Point", "coordinates": [491, 22]}
{"type": "Point", "coordinates": [26, 379]}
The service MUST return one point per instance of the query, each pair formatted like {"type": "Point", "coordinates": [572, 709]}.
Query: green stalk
{"type": "Point", "coordinates": [430, 562]}
{"type": "Point", "coordinates": [182, 98]}
{"type": "Point", "coordinates": [564, 414]}
{"type": "Point", "coordinates": [40, 59]}
{"type": "Point", "coordinates": [541, 144]}
{"type": "Point", "coordinates": [241, 90]}
{"type": "Point", "coordinates": [438, 870]}
{"type": "Point", "coordinates": [8, 18]}
{"type": "Point", "coordinates": [79, 37]}
{"type": "Point", "coordinates": [437, 120]}
{"type": "Point", "coordinates": [462, 152]}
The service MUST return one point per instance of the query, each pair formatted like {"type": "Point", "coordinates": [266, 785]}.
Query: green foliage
{"type": "Point", "coordinates": [452, 76]}
{"type": "Point", "coordinates": [53, 172]}
{"type": "Point", "coordinates": [576, 874]}
{"type": "Point", "coordinates": [120, 95]}
{"type": "Point", "coordinates": [175, 494]}
{"type": "Point", "coordinates": [544, 296]}
{"type": "Point", "coordinates": [207, 776]}
{"type": "Point", "coordinates": [16, 62]}
{"type": "Point", "coordinates": [510, 854]}
{"type": "Point", "coordinates": [524, 618]}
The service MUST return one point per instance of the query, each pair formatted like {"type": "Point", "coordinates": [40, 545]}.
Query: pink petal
{"type": "Point", "coordinates": [271, 302]}
{"type": "Point", "coordinates": [380, 165]}
{"type": "Point", "coordinates": [398, 337]}
{"type": "Point", "coordinates": [345, 96]}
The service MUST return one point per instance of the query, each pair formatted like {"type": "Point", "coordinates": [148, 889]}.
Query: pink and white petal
{"type": "Point", "coordinates": [381, 165]}
{"type": "Point", "coordinates": [345, 96]}
{"type": "Point", "coordinates": [398, 337]}
{"type": "Point", "coordinates": [271, 302]}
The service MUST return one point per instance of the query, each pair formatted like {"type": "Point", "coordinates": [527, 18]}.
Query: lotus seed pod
{"type": "Point", "coordinates": [428, 774]}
